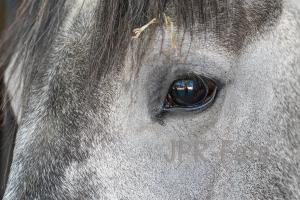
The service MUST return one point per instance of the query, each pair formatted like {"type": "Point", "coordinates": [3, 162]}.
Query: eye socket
{"type": "Point", "coordinates": [190, 93]}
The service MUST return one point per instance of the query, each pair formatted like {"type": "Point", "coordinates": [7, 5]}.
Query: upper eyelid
{"type": "Point", "coordinates": [213, 72]}
{"type": "Point", "coordinates": [201, 61]}
{"type": "Point", "coordinates": [219, 82]}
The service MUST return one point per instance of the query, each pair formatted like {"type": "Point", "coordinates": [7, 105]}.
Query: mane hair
{"type": "Point", "coordinates": [37, 22]}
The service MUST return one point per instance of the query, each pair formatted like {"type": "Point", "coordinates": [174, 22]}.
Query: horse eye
{"type": "Point", "coordinates": [190, 93]}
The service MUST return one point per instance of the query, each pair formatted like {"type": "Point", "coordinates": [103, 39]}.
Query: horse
{"type": "Point", "coordinates": [160, 99]}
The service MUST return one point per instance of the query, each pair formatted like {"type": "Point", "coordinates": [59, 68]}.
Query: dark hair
{"type": "Point", "coordinates": [37, 22]}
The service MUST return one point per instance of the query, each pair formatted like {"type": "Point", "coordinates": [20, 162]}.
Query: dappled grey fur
{"type": "Point", "coordinates": [88, 127]}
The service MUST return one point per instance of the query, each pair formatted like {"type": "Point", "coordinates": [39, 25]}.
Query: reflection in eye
{"type": "Point", "coordinates": [190, 93]}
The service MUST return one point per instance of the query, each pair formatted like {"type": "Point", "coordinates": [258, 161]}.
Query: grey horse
{"type": "Point", "coordinates": [153, 99]}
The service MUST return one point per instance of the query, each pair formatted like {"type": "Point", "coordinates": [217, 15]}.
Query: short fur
{"type": "Point", "coordinates": [90, 94]}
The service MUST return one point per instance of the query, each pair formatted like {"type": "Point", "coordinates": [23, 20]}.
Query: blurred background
{"type": "Point", "coordinates": [2, 14]}
{"type": "Point", "coordinates": [7, 11]}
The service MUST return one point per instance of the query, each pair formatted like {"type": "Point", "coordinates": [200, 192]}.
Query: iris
{"type": "Point", "coordinates": [190, 93]}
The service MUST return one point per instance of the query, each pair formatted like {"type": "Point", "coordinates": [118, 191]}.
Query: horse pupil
{"type": "Point", "coordinates": [187, 92]}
